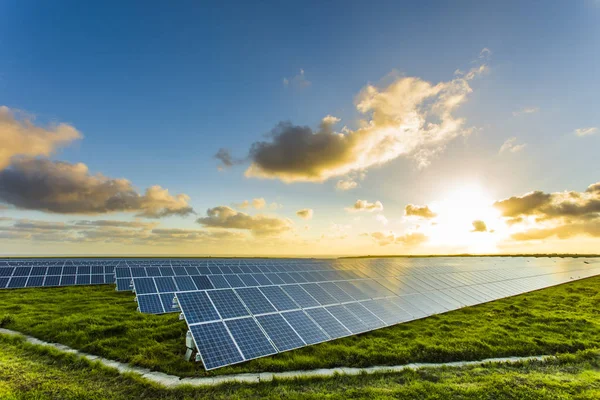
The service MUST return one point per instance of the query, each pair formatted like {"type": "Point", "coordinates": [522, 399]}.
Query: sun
{"type": "Point", "coordinates": [455, 214]}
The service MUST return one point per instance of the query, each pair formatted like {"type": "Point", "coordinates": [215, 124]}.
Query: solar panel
{"type": "Point", "coordinates": [227, 303]}
{"type": "Point", "coordinates": [215, 345]}
{"type": "Point", "coordinates": [150, 304]}
{"type": "Point", "coordinates": [349, 320]}
{"type": "Point", "coordinates": [281, 333]}
{"type": "Point", "coordinates": [250, 338]}
{"type": "Point", "coordinates": [328, 323]}
{"type": "Point", "coordinates": [300, 296]}
{"type": "Point", "coordinates": [256, 302]}
{"type": "Point", "coordinates": [280, 300]}
{"type": "Point", "coordinates": [197, 307]}
{"type": "Point", "coordinates": [305, 327]}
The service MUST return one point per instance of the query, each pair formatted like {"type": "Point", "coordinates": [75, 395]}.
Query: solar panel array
{"type": "Point", "coordinates": [241, 309]}
{"type": "Point", "coordinates": [239, 324]}
{"type": "Point", "coordinates": [21, 273]}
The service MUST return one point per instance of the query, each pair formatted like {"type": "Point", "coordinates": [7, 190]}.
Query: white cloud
{"type": "Point", "coordinates": [297, 82]}
{"type": "Point", "coordinates": [586, 131]}
{"type": "Point", "coordinates": [409, 117]}
{"type": "Point", "coordinates": [364, 205]}
{"type": "Point", "coordinates": [20, 136]}
{"type": "Point", "coordinates": [381, 218]}
{"type": "Point", "coordinates": [346, 184]}
{"type": "Point", "coordinates": [305, 213]}
{"type": "Point", "coordinates": [510, 145]}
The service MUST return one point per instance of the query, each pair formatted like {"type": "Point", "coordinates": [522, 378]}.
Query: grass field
{"type": "Point", "coordinates": [34, 372]}
{"type": "Point", "coordinates": [99, 320]}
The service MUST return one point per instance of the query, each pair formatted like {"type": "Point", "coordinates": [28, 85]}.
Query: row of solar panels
{"type": "Point", "coordinates": [37, 273]}
{"type": "Point", "coordinates": [123, 274]}
{"type": "Point", "coordinates": [155, 294]}
{"type": "Point", "coordinates": [234, 325]}
{"type": "Point", "coordinates": [14, 277]}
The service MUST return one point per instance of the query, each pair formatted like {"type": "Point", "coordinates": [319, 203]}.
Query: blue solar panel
{"type": "Point", "coordinates": [319, 294]}
{"type": "Point", "coordinates": [336, 292]}
{"type": "Point", "coordinates": [144, 285]}
{"type": "Point", "coordinates": [248, 280]}
{"type": "Point", "coordinates": [227, 303]}
{"type": "Point", "coordinates": [353, 290]}
{"type": "Point", "coordinates": [197, 307]}
{"type": "Point", "coordinates": [3, 282]}
{"type": "Point", "coordinates": [185, 283]}
{"type": "Point", "coordinates": [300, 296]}
{"type": "Point", "coordinates": [219, 282]}
{"type": "Point", "coordinates": [165, 284]}
{"type": "Point", "coordinates": [69, 270]}
{"type": "Point", "coordinates": [82, 280]}
{"type": "Point", "coordinates": [250, 338]}
{"type": "Point", "coordinates": [261, 279]}
{"type": "Point", "coordinates": [256, 302]}
{"type": "Point", "coordinates": [67, 280]}
{"type": "Point", "coordinates": [275, 279]}
{"type": "Point", "coordinates": [123, 284]}
{"type": "Point", "coordinates": [349, 320]}
{"type": "Point", "coordinates": [280, 332]}
{"type": "Point", "coordinates": [366, 316]}
{"type": "Point", "coordinates": [150, 304]}
{"type": "Point", "coordinates": [279, 298]}
{"type": "Point", "coordinates": [35, 281]}
{"type": "Point", "coordinates": [215, 345]}
{"type": "Point", "coordinates": [234, 281]}
{"type": "Point", "coordinates": [305, 327]}
{"type": "Point", "coordinates": [167, 301]}
{"type": "Point", "coordinates": [202, 282]}
{"type": "Point", "coordinates": [328, 323]}
{"type": "Point", "coordinates": [386, 311]}
{"type": "Point", "coordinates": [166, 271]}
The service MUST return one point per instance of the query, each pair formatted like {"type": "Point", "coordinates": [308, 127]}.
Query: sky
{"type": "Point", "coordinates": [299, 128]}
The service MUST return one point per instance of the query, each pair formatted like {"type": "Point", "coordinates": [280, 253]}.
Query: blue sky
{"type": "Point", "coordinates": [157, 88]}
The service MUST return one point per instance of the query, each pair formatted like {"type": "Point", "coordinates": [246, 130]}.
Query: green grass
{"type": "Point", "coordinates": [98, 320]}
{"type": "Point", "coordinates": [34, 372]}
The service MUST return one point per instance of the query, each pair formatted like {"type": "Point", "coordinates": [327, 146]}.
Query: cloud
{"type": "Point", "coordinates": [106, 231]}
{"type": "Point", "coordinates": [20, 136]}
{"type": "Point", "coordinates": [259, 225]}
{"type": "Point", "coordinates": [590, 228]}
{"type": "Point", "coordinates": [257, 203]}
{"type": "Point", "coordinates": [381, 218]}
{"type": "Point", "coordinates": [419, 211]}
{"type": "Point", "coordinates": [61, 187]}
{"type": "Point", "coordinates": [364, 205]}
{"type": "Point", "coordinates": [526, 110]}
{"type": "Point", "coordinates": [561, 214]}
{"type": "Point", "coordinates": [227, 160]}
{"type": "Point", "coordinates": [409, 239]}
{"type": "Point", "coordinates": [523, 205]}
{"type": "Point", "coordinates": [305, 213]}
{"type": "Point", "coordinates": [510, 145]}
{"type": "Point", "coordinates": [409, 117]}
{"type": "Point", "coordinates": [479, 226]}
{"type": "Point", "coordinates": [585, 131]}
{"type": "Point", "coordinates": [119, 224]}
{"type": "Point", "coordinates": [346, 184]}
{"type": "Point", "coordinates": [297, 82]}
